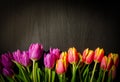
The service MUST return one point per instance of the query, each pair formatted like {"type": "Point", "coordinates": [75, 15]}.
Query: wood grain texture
{"type": "Point", "coordinates": [61, 24]}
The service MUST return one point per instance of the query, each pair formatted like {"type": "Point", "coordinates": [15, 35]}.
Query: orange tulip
{"type": "Point", "coordinates": [99, 53]}
{"type": "Point", "coordinates": [73, 56]}
{"type": "Point", "coordinates": [88, 56]}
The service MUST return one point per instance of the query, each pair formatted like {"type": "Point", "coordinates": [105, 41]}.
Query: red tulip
{"type": "Point", "coordinates": [109, 63]}
{"type": "Point", "coordinates": [115, 58]}
{"type": "Point", "coordinates": [103, 64]}
{"type": "Point", "coordinates": [87, 56]}
{"type": "Point", "coordinates": [99, 53]}
{"type": "Point", "coordinates": [106, 63]}
{"type": "Point", "coordinates": [73, 56]}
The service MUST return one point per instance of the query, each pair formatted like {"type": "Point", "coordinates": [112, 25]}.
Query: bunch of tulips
{"type": "Point", "coordinates": [38, 65]}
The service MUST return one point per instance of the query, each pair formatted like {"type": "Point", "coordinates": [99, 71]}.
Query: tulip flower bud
{"type": "Point", "coordinates": [103, 64]}
{"type": "Point", "coordinates": [87, 56]}
{"type": "Point", "coordinates": [64, 57]}
{"type": "Point", "coordinates": [73, 56]}
{"type": "Point", "coordinates": [49, 60]}
{"type": "Point", "coordinates": [106, 63]}
{"type": "Point", "coordinates": [8, 72]}
{"type": "Point", "coordinates": [115, 58]}
{"type": "Point", "coordinates": [60, 67]}
{"type": "Point", "coordinates": [35, 51]}
{"type": "Point", "coordinates": [109, 63]}
{"type": "Point", "coordinates": [17, 56]}
{"type": "Point", "coordinates": [62, 63]}
{"type": "Point", "coordinates": [56, 52]}
{"type": "Point", "coordinates": [99, 53]}
{"type": "Point", "coordinates": [6, 60]}
{"type": "Point", "coordinates": [25, 60]}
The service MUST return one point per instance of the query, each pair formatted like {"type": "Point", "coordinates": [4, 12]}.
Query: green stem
{"type": "Point", "coordinates": [99, 77]}
{"type": "Point", "coordinates": [103, 76]}
{"type": "Point", "coordinates": [83, 68]}
{"type": "Point", "coordinates": [49, 73]}
{"type": "Point", "coordinates": [74, 73]}
{"type": "Point", "coordinates": [28, 70]}
{"type": "Point", "coordinates": [93, 71]}
{"type": "Point", "coordinates": [61, 77]}
{"type": "Point", "coordinates": [78, 64]}
{"type": "Point", "coordinates": [34, 76]}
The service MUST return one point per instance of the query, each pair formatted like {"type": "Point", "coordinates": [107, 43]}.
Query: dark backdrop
{"type": "Point", "coordinates": [62, 24]}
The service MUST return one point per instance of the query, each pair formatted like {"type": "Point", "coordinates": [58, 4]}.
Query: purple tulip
{"type": "Point", "coordinates": [8, 72]}
{"type": "Point", "coordinates": [6, 60]}
{"type": "Point", "coordinates": [35, 51]}
{"type": "Point", "coordinates": [49, 60]}
{"type": "Point", "coordinates": [17, 55]}
{"type": "Point", "coordinates": [25, 60]}
{"type": "Point", "coordinates": [56, 52]}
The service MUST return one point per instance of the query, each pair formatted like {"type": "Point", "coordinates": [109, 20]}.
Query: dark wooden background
{"type": "Point", "coordinates": [62, 24]}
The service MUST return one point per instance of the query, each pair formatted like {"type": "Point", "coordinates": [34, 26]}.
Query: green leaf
{"type": "Point", "coordinates": [38, 74]}
{"type": "Point", "coordinates": [22, 72]}
{"type": "Point", "coordinates": [100, 75]}
{"type": "Point", "coordinates": [85, 71]}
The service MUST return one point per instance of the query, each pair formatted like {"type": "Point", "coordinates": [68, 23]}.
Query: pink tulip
{"type": "Point", "coordinates": [73, 57]}
{"type": "Point", "coordinates": [88, 56]}
{"type": "Point", "coordinates": [35, 51]}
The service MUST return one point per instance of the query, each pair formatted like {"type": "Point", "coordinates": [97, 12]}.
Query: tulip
{"type": "Point", "coordinates": [99, 53]}
{"type": "Point", "coordinates": [87, 56]}
{"type": "Point", "coordinates": [35, 51]}
{"type": "Point", "coordinates": [60, 67]}
{"type": "Point", "coordinates": [49, 60]}
{"type": "Point", "coordinates": [73, 57]}
{"type": "Point", "coordinates": [56, 52]}
{"type": "Point", "coordinates": [115, 58]}
{"type": "Point", "coordinates": [64, 57]}
{"type": "Point", "coordinates": [62, 63]}
{"type": "Point", "coordinates": [25, 60]}
{"type": "Point", "coordinates": [8, 72]}
{"type": "Point", "coordinates": [17, 56]}
{"type": "Point", "coordinates": [6, 60]}
{"type": "Point", "coordinates": [109, 63]}
{"type": "Point", "coordinates": [103, 64]}
{"type": "Point", "coordinates": [106, 63]}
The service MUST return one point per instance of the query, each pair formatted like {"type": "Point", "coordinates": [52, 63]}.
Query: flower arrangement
{"type": "Point", "coordinates": [38, 65]}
